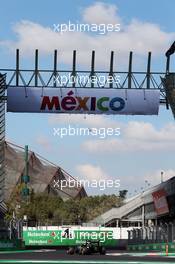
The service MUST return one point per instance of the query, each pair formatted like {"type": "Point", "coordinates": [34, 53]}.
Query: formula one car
{"type": "Point", "coordinates": [88, 248]}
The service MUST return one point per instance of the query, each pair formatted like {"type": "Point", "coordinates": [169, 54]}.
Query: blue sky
{"type": "Point", "coordinates": [140, 156]}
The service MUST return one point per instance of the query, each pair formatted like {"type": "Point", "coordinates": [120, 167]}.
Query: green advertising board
{"type": "Point", "coordinates": [152, 247]}
{"type": "Point", "coordinates": [60, 238]}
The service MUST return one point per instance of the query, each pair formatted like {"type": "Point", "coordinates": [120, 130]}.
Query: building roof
{"type": "Point", "coordinates": [43, 174]}
{"type": "Point", "coordinates": [134, 204]}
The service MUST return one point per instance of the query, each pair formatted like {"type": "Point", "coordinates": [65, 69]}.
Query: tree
{"type": "Point", "coordinates": [47, 208]}
{"type": "Point", "coordinates": [123, 193]}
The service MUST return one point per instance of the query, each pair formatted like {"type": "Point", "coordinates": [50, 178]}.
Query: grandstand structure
{"type": "Point", "coordinates": [151, 207]}
{"type": "Point", "coordinates": [43, 174]}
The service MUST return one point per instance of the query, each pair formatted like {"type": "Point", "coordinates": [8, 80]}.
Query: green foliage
{"type": "Point", "coordinates": [123, 193]}
{"type": "Point", "coordinates": [50, 209]}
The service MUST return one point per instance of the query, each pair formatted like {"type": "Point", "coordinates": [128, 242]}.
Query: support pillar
{"type": "Point", "coordinates": [2, 135]}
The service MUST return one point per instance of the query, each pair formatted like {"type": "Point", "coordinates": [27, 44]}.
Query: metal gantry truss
{"type": "Point", "coordinates": [53, 77]}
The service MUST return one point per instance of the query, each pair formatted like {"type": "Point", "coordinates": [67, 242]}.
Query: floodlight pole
{"type": "Point", "coordinates": [25, 177]}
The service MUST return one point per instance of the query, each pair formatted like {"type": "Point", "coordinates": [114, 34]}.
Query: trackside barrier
{"type": "Point", "coordinates": [163, 233]}
{"type": "Point", "coordinates": [11, 244]}
{"type": "Point", "coordinates": [161, 247]}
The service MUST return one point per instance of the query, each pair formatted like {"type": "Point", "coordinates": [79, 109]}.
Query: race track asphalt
{"type": "Point", "coordinates": [60, 256]}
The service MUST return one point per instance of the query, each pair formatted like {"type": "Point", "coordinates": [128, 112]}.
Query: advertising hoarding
{"type": "Point", "coordinates": [82, 100]}
{"type": "Point", "coordinates": [160, 202]}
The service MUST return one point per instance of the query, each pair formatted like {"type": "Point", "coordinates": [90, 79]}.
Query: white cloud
{"type": "Point", "coordinates": [146, 131]}
{"type": "Point", "coordinates": [135, 136]}
{"type": "Point", "coordinates": [138, 36]}
{"type": "Point", "coordinates": [136, 184]}
{"type": "Point", "coordinates": [91, 121]}
{"type": "Point", "coordinates": [44, 142]}
{"type": "Point", "coordinates": [155, 176]}
{"type": "Point", "coordinates": [100, 13]}
{"type": "Point", "coordinates": [91, 172]}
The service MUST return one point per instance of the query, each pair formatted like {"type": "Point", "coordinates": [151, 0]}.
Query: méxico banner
{"type": "Point", "coordinates": [82, 100]}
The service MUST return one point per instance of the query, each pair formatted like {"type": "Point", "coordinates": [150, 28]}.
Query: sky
{"type": "Point", "coordinates": [146, 144]}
